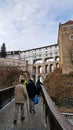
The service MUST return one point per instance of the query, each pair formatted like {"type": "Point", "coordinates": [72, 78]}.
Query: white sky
{"type": "Point", "coordinates": [28, 24]}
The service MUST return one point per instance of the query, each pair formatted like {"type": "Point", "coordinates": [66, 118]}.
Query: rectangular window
{"type": "Point", "coordinates": [71, 27]}
{"type": "Point", "coordinates": [65, 29]}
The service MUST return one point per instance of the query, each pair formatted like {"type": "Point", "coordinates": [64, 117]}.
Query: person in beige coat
{"type": "Point", "coordinates": [21, 96]}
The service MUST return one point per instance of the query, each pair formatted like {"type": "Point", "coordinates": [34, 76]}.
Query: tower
{"type": "Point", "coordinates": [65, 40]}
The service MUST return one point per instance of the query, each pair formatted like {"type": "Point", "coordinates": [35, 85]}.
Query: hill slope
{"type": "Point", "coordinates": [60, 87]}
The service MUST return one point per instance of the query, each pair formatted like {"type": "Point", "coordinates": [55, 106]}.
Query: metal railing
{"type": "Point", "coordinates": [6, 95]}
{"type": "Point", "coordinates": [54, 118]}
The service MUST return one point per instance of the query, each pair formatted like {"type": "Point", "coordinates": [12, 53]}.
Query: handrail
{"type": "Point", "coordinates": [6, 95]}
{"type": "Point", "coordinates": [57, 121]}
{"type": "Point", "coordinates": [6, 88]}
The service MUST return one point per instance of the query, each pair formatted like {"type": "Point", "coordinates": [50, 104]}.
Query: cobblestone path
{"type": "Point", "coordinates": [32, 121]}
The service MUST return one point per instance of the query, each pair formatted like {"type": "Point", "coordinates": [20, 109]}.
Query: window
{"type": "Point", "coordinates": [55, 53]}
{"type": "Point", "coordinates": [65, 29]}
{"type": "Point", "coordinates": [50, 54]}
{"type": "Point", "coordinates": [71, 27]}
{"type": "Point", "coordinates": [71, 37]}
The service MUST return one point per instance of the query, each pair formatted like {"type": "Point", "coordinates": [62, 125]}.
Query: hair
{"type": "Point", "coordinates": [22, 81]}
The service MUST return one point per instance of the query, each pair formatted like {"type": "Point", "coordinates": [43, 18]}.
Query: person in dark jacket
{"type": "Point", "coordinates": [31, 89]}
{"type": "Point", "coordinates": [38, 87]}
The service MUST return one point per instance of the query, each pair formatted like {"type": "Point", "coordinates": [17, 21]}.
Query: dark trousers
{"type": "Point", "coordinates": [17, 107]}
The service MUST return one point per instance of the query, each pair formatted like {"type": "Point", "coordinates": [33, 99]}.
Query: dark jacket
{"type": "Point", "coordinates": [31, 89]}
{"type": "Point", "coordinates": [38, 87]}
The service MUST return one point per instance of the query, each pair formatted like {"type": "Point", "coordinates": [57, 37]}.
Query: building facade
{"type": "Point", "coordinates": [41, 61]}
{"type": "Point", "coordinates": [44, 60]}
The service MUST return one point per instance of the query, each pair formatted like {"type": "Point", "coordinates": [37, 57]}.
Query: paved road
{"type": "Point", "coordinates": [32, 122]}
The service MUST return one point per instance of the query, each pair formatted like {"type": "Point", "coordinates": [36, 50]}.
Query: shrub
{"type": "Point", "coordinates": [9, 76]}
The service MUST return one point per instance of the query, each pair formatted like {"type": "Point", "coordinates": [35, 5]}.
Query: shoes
{"type": "Point", "coordinates": [33, 111]}
{"type": "Point", "coordinates": [22, 118]}
{"type": "Point", "coordinates": [30, 111]}
{"type": "Point", "coordinates": [15, 122]}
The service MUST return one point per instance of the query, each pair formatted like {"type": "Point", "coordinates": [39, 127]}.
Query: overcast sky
{"type": "Point", "coordinates": [28, 24]}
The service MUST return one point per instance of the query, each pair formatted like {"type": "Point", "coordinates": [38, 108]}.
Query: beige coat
{"type": "Point", "coordinates": [20, 93]}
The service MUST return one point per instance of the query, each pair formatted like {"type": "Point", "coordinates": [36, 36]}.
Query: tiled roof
{"type": "Point", "coordinates": [68, 22]}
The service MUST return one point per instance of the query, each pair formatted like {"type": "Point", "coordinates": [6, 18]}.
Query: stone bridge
{"type": "Point", "coordinates": [47, 117]}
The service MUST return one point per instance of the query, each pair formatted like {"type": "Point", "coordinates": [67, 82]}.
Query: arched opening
{"type": "Point", "coordinates": [34, 70]}
{"type": "Point", "coordinates": [39, 69]}
{"type": "Point", "coordinates": [40, 78]}
{"type": "Point", "coordinates": [49, 59]}
{"type": "Point", "coordinates": [51, 68]}
{"type": "Point", "coordinates": [57, 58]}
{"type": "Point", "coordinates": [57, 65]}
{"type": "Point", "coordinates": [38, 61]}
{"type": "Point", "coordinates": [46, 69]}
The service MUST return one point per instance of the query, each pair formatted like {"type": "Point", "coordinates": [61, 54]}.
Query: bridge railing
{"type": "Point", "coordinates": [53, 118]}
{"type": "Point", "coordinates": [6, 95]}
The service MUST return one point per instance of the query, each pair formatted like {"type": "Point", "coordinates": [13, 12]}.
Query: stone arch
{"type": "Point", "coordinates": [36, 61]}
{"type": "Point", "coordinates": [57, 65]}
{"type": "Point", "coordinates": [39, 69]}
{"type": "Point", "coordinates": [48, 59]}
{"type": "Point", "coordinates": [46, 68]}
{"type": "Point", "coordinates": [51, 67]}
{"type": "Point", "coordinates": [40, 77]}
{"type": "Point", "coordinates": [57, 58]}
{"type": "Point", "coordinates": [34, 69]}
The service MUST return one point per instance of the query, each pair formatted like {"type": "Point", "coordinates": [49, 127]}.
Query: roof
{"type": "Point", "coordinates": [67, 23]}
{"type": "Point", "coordinates": [8, 52]}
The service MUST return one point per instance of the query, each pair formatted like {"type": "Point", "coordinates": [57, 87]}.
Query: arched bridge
{"type": "Point", "coordinates": [47, 117]}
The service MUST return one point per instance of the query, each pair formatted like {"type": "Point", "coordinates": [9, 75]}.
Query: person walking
{"type": "Point", "coordinates": [21, 96]}
{"type": "Point", "coordinates": [38, 87]}
{"type": "Point", "coordinates": [31, 89]}
{"type": "Point", "coordinates": [25, 81]}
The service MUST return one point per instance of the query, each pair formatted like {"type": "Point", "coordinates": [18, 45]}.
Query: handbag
{"type": "Point", "coordinates": [36, 99]}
